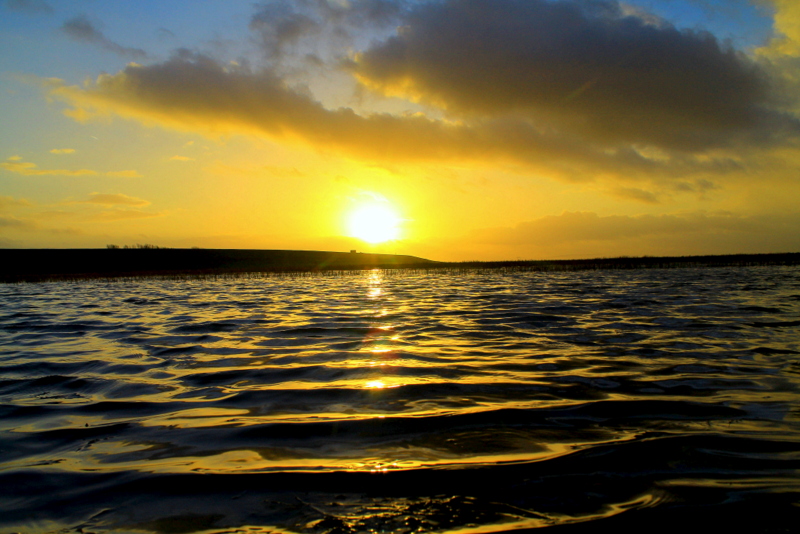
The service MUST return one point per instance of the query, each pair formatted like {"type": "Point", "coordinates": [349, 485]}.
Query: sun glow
{"type": "Point", "coordinates": [374, 223]}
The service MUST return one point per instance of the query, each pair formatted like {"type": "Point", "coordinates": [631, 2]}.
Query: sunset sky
{"type": "Point", "coordinates": [483, 129]}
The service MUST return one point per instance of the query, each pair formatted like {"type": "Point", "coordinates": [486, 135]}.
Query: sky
{"type": "Point", "coordinates": [453, 130]}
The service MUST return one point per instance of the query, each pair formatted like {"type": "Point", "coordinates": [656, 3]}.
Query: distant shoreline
{"type": "Point", "coordinates": [37, 265]}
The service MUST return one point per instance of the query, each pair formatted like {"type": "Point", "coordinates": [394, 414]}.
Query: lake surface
{"type": "Point", "coordinates": [386, 401]}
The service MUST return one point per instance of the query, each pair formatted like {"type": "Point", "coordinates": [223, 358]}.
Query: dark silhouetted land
{"type": "Point", "coordinates": [32, 265]}
{"type": "Point", "coordinates": [642, 262]}
{"type": "Point", "coordinates": [50, 264]}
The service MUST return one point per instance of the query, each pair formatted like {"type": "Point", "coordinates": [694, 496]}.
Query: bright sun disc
{"type": "Point", "coordinates": [374, 224]}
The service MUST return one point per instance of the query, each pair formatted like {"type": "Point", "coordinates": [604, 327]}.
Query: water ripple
{"type": "Point", "coordinates": [482, 401]}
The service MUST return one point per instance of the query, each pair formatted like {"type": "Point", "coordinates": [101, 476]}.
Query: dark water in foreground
{"type": "Point", "coordinates": [405, 402]}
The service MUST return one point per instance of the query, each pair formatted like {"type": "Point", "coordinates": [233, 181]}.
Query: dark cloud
{"type": "Point", "coordinates": [589, 69]}
{"type": "Point", "coordinates": [589, 90]}
{"type": "Point", "coordinates": [279, 25]}
{"type": "Point", "coordinates": [30, 6]}
{"type": "Point", "coordinates": [283, 23]}
{"type": "Point", "coordinates": [194, 92]}
{"type": "Point", "coordinates": [81, 29]}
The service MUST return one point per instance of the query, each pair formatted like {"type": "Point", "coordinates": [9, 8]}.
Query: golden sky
{"type": "Point", "coordinates": [476, 129]}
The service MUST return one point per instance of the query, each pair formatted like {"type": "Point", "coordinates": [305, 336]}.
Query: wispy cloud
{"type": "Point", "coordinates": [8, 221]}
{"type": "Point", "coordinates": [99, 207]}
{"type": "Point", "coordinates": [16, 165]}
{"type": "Point", "coordinates": [121, 214]}
{"type": "Point", "coordinates": [116, 199]}
{"type": "Point", "coordinates": [124, 174]}
{"type": "Point", "coordinates": [634, 193]}
{"type": "Point", "coordinates": [223, 170]}
{"type": "Point", "coordinates": [81, 29]}
{"type": "Point", "coordinates": [30, 6]}
{"type": "Point", "coordinates": [12, 202]}
{"type": "Point", "coordinates": [63, 151]}
{"type": "Point", "coordinates": [26, 168]}
{"type": "Point", "coordinates": [587, 234]}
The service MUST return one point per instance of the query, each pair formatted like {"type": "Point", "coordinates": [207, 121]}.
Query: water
{"type": "Point", "coordinates": [402, 402]}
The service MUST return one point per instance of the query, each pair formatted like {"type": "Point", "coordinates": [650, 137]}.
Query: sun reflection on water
{"type": "Point", "coordinates": [380, 342]}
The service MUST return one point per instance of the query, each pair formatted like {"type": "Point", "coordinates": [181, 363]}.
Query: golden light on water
{"type": "Point", "coordinates": [374, 223]}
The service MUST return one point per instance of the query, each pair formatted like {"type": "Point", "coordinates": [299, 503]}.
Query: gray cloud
{"type": "Point", "coordinates": [580, 91]}
{"type": "Point", "coordinates": [81, 29]}
{"type": "Point", "coordinates": [30, 6]}
{"type": "Point", "coordinates": [279, 25]}
{"type": "Point", "coordinates": [589, 69]}
{"type": "Point", "coordinates": [196, 93]}
{"type": "Point", "coordinates": [283, 23]}
{"type": "Point", "coordinates": [165, 34]}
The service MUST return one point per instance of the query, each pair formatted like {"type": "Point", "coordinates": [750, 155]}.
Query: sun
{"type": "Point", "coordinates": [374, 223]}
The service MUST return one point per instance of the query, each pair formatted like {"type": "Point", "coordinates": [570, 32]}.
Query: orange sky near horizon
{"type": "Point", "coordinates": [466, 129]}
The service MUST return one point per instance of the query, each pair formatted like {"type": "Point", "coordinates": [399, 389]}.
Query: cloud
{"type": "Point", "coordinates": [26, 168]}
{"type": "Point", "coordinates": [284, 172]}
{"type": "Point", "coordinates": [11, 243]}
{"type": "Point", "coordinates": [11, 202]}
{"type": "Point", "coordinates": [81, 29]}
{"type": "Point", "coordinates": [116, 200]}
{"type": "Point", "coordinates": [124, 174]}
{"type": "Point", "coordinates": [283, 25]}
{"type": "Point", "coordinates": [225, 170]}
{"type": "Point", "coordinates": [634, 193]}
{"type": "Point", "coordinates": [99, 207]}
{"type": "Point", "coordinates": [123, 214]}
{"type": "Point", "coordinates": [588, 69]}
{"type": "Point", "coordinates": [781, 56]}
{"type": "Point", "coordinates": [30, 6]}
{"type": "Point", "coordinates": [63, 151]}
{"type": "Point", "coordinates": [587, 234]}
{"type": "Point", "coordinates": [33, 224]}
{"type": "Point", "coordinates": [787, 29]}
{"type": "Point", "coordinates": [279, 25]}
{"type": "Point", "coordinates": [165, 34]}
{"type": "Point", "coordinates": [181, 158]}
{"type": "Point", "coordinates": [581, 91]}
{"type": "Point", "coordinates": [15, 223]}
{"type": "Point", "coordinates": [195, 93]}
